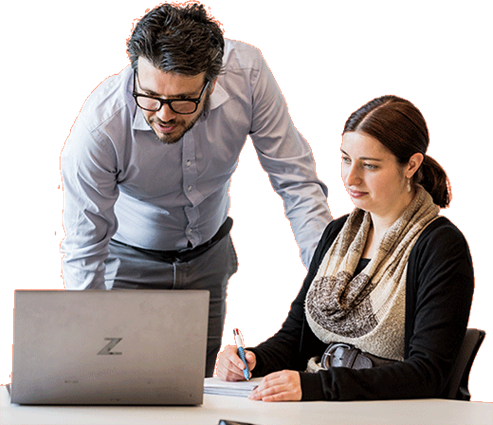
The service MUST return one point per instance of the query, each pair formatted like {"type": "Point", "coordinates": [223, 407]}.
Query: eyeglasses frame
{"type": "Point", "coordinates": [168, 102]}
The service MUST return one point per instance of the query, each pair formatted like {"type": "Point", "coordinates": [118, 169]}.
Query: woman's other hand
{"type": "Point", "coordinates": [278, 386]}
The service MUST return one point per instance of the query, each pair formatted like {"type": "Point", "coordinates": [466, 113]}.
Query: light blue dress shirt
{"type": "Point", "coordinates": [120, 181]}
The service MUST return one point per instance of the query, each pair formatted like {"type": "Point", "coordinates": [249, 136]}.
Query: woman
{"type": "Point", "coordinates": [389, 289]}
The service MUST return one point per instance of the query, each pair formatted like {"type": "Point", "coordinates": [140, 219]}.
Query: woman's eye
{"type": "Point", "coordinates": [370, 166]}
{"type": "Point", "coordinates": [346, 160]}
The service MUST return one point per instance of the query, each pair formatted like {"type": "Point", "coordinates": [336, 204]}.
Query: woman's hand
{"type": "Point", "coordinates": [278, 386]}
{"type": "Point", "coordinates": [230, 366]}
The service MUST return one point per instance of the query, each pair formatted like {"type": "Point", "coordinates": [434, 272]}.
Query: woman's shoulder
{"type": "Point", "coordinates": [441, 234]}
{"type": "Point", "coordinates": [334, 227]}
{"type": "Point", "coordinates": [332, 230]}
{"type": "Point", "coordinates": [441, 247]}
{"type": "Point", "coordinates": [327, 238]}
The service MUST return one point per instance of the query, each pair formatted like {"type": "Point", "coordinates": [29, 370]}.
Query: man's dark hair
{"type": "Point", "coordinates": [181, 39]}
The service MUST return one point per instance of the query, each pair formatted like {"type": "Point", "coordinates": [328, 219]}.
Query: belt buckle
{"type": "Point", "coordinates": [329, 354]}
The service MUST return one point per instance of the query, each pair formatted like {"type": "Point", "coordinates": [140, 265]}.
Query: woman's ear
{"type": "Point", "coordinates": [413, 165]}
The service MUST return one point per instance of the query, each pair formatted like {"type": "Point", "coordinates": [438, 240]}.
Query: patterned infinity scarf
{"type": "Point", "coordinates": [367, 310]}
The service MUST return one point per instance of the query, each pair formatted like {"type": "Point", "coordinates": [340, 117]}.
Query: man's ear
{"type": "Point", "coordinates": [213, 85]}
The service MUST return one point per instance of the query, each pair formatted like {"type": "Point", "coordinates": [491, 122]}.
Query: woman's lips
{"type": "Point", "coordinates": [356, 193]}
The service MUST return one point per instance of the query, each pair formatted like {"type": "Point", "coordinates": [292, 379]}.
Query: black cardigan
{"type": "Point", "coordinates": [439, 288]}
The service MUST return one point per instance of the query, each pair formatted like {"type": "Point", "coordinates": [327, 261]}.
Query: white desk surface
{"type": "Point", "coordinates": [415, 412]}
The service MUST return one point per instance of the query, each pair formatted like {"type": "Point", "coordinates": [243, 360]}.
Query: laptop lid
{"type": "Point", "coordinates": [109, 347]}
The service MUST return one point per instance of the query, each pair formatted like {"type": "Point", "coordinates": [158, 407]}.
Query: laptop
{"type": "Point", "coordinates": [124, 347]}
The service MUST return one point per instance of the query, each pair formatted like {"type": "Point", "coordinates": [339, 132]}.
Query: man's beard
{"type": "Point", "coordinates": [181, 128]}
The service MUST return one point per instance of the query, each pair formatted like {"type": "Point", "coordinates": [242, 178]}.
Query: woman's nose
{"type": "Point", "coordinates": [352, 177]}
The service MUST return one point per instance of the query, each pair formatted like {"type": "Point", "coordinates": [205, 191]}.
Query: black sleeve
{"type": "Point", "coordinates": [283, 350]}
{"type": "Point", "coordinates": [440, 284]}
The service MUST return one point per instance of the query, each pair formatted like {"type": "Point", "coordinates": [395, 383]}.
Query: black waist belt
{"type": "Point", "coordinates": [345, 355]}
{"type": "Point", "coordinates": [185, 255]}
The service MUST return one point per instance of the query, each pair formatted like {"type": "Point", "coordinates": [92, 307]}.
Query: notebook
{"type": "Point", "coordinates": [217, 386]}
{"type": "Point", "coordinates": [125, 347]}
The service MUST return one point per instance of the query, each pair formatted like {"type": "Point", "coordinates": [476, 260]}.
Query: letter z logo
{"type": "Point", "coordinates": [108, 347]}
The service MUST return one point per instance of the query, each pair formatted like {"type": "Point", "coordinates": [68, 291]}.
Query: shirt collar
{"type": "Point", "coordinates": [219, 96]}
{"type": "Point", "coordinates": [140, 122]}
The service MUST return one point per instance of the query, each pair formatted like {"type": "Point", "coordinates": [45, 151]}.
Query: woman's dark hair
{"type": "Point", "coordinates": [401, 128]}
{"type": "Point", "coordinates": [181, 39]}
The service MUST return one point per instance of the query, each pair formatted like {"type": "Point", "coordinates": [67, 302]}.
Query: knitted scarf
{"type": "Point", "coordinates": [367, 310]}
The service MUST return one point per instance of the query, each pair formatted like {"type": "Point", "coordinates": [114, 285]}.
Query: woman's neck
{"type": "Point", "coordinates": [380, 224]}
{"type": "Point", "coordinates": [383, 221]}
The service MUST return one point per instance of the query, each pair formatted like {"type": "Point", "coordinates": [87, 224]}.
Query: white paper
{"type": "Point", "coordinates": [238, 389]}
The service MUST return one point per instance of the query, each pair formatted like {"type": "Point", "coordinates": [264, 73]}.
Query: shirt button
{"type": "Point", "coordinates": [189, 188]}
{"type": "Point", "coordinates": [189, 231]}
{"type": "Point", "coordinates": [189, 163]}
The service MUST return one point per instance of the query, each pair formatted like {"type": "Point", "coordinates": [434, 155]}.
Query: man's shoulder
{"type": "Point", "coordinates": [108, 101]}
{"type": "Point", "coordinates": [238, 54]}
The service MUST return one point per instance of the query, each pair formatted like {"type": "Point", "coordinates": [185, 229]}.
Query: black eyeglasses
{"type": "Point", "coordinates": [179, 106]}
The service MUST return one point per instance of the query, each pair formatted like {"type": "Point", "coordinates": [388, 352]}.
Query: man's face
{"type": "Point", "coordinates": [168, 125]}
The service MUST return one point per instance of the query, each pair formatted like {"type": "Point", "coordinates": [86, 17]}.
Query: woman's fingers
{"type": "Point", "coordinates": [230, 366]}
{"type": "Point", "coordinates": [279, 386]}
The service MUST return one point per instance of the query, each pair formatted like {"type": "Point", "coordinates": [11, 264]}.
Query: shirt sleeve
{"type": "Point", "coordinates": [89, 173]}
{"type": "Point", "coordinates": [287, 158]}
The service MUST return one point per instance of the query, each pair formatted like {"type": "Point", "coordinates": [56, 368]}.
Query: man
{"type": "Point", "coordinates": [147, 166]}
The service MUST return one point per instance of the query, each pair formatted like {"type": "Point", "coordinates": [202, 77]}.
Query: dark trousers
{"type": "Point", "coordinates": [132, 268]}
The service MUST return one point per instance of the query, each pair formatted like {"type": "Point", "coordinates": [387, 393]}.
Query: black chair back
{"type": "Point", "coordinates": [458, 384]}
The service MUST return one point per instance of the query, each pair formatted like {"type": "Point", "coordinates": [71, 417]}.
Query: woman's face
{"type": "Point", "coordinates": [374, 179]}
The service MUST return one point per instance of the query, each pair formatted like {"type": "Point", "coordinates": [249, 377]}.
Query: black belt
{"type": "Point", "coordinates": [185, 255]}
{"type": "Point", "coordinates": [345, 355]}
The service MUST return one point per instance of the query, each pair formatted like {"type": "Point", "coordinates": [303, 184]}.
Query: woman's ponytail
{"type": "Point", "coordinates": [434, 179]}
